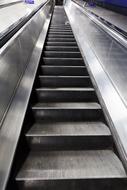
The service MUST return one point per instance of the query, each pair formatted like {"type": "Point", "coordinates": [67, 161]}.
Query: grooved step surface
{"type": "Point", "coordinates": [66, 95]}
{"type": "Point", "coordinates": [61, 43]}
{"type": "Point", "coordinates": [60, 35]}
{"type": "Point", "coordinates": [62, 61]}
{"type": "Point", "coordinates": [59, 54]}
{"type": "Point", "coordinates": [60, 32]}
{"type": "Point", "coordinates": [68, 89]}
{"type": "Point", "coordinates": [62, 48]}
{"type": "Point", "coordinates": [67, 112]}
{"type": "Point", "coordinates": [64, 70]}
{"type": "Point", "coordinates": [50, 39]}
{"type": "Point", "coordinates": [67, 105]}
{"type": "Point", "coordinates": [69, 128]}
{"type": "Point", "coordinates": [69, 136]}
{"type": "Point", "coordinates": [54, 165]}
{"type": "Point", "coordinates": [65, 81]}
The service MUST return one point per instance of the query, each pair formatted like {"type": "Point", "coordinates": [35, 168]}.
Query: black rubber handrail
{"type": "Point", "coordinates": [107, 23]}
{"type": "Point", "coordinates": [12, 30]}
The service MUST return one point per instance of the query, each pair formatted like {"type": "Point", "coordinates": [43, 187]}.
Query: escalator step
{"type": "Point", "coordinates": [49, 39]}
{"type": "Point", "coordinates": [61, 43]}
{"type": "Point", "coordinates": [69, 136]}
{"type": "Point", "coordinates": [61, 36]}
{"type": "Point", "coordinates": [60, 32]}
{"type": "Point", "coordinates": [67, 105]}
{"type": "Point", "coordinates": [62, 61]}
{"type": "Point", "coordinates": [67, 111]}
{"type": "Point", "coordinates": [97, 169]}
{"type": "Point", "coordinates": [66, 95]}
{"type": "Point", "coordinates": [64, 70]}
{"type": "Point", "coordinates": [62, 48]}
{"type": "Point", "coordinates": [60, 27]}
{"type": "Point", "coordinates": [60, 24]}
{"type": "Point", "coordinates": [61, 54]}
{"type": "Point", "coordinates": [65, 81]}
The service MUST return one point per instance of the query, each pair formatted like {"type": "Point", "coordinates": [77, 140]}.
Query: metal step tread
{"type": "Point", "coordinates": [54, 51]}
{"type": "Point", "coordinates": [63, 70]}
{"type": "Point", "coordinates": [59, 25]}
{"type": "Point", "coordinates": [60, 31]}
{"type": "Point", "coordinates": [63, 66]}
{"type": "Point", "coordinates": [61, 35]}
{"type": "Point", "coordinates": [52, 39]}
{"type": "Point", "coordinates": [66, 95]}
{"type": "Point", "coordinates": [64, 81]}
{"type": "Point", "coordinates": [60, 28]}
{"type": "Point", "coordinates": [56, 165]}
{"type": "Point", "coordinates": [58, 76]}
{"type": "Point", "coordinates": [62, 61]}
{"type": "Point", "coordinates": [69, 129]}
{"type": "Point", "coordinates": [63, 77]}
{"type": "Point", "coordinates": [60, 43]}
{"type": "Point", "coordinates": [59, 48]}
{"type": "Point", "coordinates": [65, 89]}
{"type": "Point", "coordinates": [63, 58]}
{"type": "Point", "coordinates": [66, 105]}
{"type": "Point", "coordinates": [60, 54]}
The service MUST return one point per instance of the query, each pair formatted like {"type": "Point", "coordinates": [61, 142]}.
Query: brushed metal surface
{"type": "Point", "coordinates": [71, 165]}
{"type": "Point", "coordinates": [63, 61]}
{"type": "Point", "coordinates": [69, 136]}
{"type": "Point", "coordinates": [113, 33]}
{"type": "Point", "coordinates": [65, 81]}
{"type": "Point", "coordinates": [69, 128]}
{"type": "Point", "coordinates": [62, 48]}
{"type": "Point", "coordinates": [66, 95]}
{"type": "Point", "coordinates": [108, 72]}
{"type": "Point", "coordinates": [109, 52]}
{"type": "Point", "coordinates": [64, 70]}
{"type": "Point", "coordinates": [115, 18]}
{"type": "Point", "coordinates": [67, 105]}
{"type": "Point", "coordinates": [14, 57]}
{"type": "Point", "coordinates": [62, 54]}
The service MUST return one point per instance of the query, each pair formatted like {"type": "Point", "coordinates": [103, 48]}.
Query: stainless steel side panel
{"type": "Point", "coordinates": [111, 54]}
{"type": "Point", "coordinates": [27, 47]}
{"type": "Point", "coordinates": [15, 55]}
{"type": "Point", "coordinates": [107, 64]}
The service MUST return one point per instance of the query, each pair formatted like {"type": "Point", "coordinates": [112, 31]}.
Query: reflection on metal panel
{"type": "Point", "coordinates": [109, 52]}
{"type": "Point", "coordinates": [106, 62]}
{"type": "Point", "coordinates": [12, 125]}
{"type": "Point", "coordinates": [14, 57]}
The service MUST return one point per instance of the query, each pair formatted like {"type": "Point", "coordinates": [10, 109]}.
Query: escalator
{"type": "Point", "coordinates": [66, 142]}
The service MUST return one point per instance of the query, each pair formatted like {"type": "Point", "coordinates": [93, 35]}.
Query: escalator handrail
{"type": "Point", "coordinates": [20, 23]}
{"type": "Point", "coordinates": [115, 32]}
